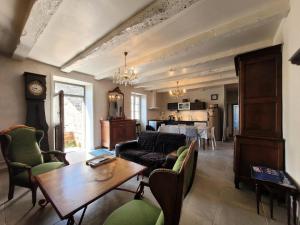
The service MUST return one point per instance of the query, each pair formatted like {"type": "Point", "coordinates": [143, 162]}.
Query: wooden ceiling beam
{"type": "Point", "coordinates": [193, 81]}
{"type": "Point", "coordinates": [184, 76]}
{"type": "Point", "coordinates": [205, 85]}
{"type": "Point", "coordinates": [38, 19]}
{"type": "Point", "coordinates": [152, 15]}
{"type": "Point", "coordinates": [258, 18]}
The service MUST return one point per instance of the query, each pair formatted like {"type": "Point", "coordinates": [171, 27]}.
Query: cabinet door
{"type": "Point", "coordinates": [260, 93]}
{"type": "Point", "coordinates": [172, 106]}
{"type": "Point", "coordinates": [255, 151]}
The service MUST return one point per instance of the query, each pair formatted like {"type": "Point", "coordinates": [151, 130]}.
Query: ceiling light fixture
{"type": "Point", "coordinates": [125, 76]}
{"type": "Point", "coordinates": [178, 92]}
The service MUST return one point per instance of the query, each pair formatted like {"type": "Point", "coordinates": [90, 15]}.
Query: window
{"type": "Point", "coordinates": [136, 107]}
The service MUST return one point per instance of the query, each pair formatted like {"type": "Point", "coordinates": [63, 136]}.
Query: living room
{"type": "Point", "coordinates": [160, 93]}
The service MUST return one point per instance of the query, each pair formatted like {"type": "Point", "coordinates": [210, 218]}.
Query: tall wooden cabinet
{"type": "Point", "coordinates": [116, 131]}
{"type": "Point", "coordinates": [260, 98]}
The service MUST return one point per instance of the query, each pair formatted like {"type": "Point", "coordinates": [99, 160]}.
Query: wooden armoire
{"type": "Point", "coordinates": [260, 140]}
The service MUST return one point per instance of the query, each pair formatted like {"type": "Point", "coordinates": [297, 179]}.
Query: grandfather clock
{"type": "Point", "coordinates": [35, 93]}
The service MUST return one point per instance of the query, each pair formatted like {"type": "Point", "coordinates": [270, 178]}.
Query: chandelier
{"type": "Point", "coordinates": [177, 92]}
{"type": "Point", "coordinates": [124, 76]}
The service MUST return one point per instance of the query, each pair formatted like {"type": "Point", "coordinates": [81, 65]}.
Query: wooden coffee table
{"type": "Point", "coordinates": [74, 187]}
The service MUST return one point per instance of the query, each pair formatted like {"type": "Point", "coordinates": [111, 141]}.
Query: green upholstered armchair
{"type": "Point", "coordinates": [169, 187]}
{"type": "Point", "coordinates": [24, 159]}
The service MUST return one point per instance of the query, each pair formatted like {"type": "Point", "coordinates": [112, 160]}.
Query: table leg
{"type": "Point", "coordinates": [43, 203]}
{"type": "Point", "coordinates": [203, 143]}
{"type": "Point", "coordinates": [71, 220]}
{"type": "Point", "coordinates": [257, 188]}
{"type": "Point", "coordinates": [82, 215]}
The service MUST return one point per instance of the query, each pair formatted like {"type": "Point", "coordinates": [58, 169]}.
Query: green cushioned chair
{"type": "Point", "coordinates": [169, 187]}
{"type": "Point", "coordinates": [24, 159]}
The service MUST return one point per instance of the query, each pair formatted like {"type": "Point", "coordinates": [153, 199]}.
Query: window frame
{"type": "Point", "coordinates": [72, 95]}
{"type": "Point", "coordinates": [132, 106]}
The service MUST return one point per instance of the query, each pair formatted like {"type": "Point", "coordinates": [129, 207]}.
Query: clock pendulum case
{"type": "Point", "coordinates": [35, 93]}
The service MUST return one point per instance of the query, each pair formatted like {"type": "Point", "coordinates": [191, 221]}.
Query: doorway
{"type": "Point", "coordinates": [235, 119]}
{"type": "Point", "coordinates": [74, 108]}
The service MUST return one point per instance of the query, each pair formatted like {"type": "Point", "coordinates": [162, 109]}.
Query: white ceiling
{"type": "Point", "coordinates": [193, 41]}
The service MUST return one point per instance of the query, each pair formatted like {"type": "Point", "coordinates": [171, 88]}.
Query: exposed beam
{"type": "Point", "coordinates": [198, 80]}
{"type": "Point", "coordinates": [206, 59]}
{"type": "Point", "coordinates": [38, 19]}
{"type": "Point", "coordinates": [206, 85]}
{"type": "Point", "coordinates": [259, 18]}
{"type": "Point", "coordinates": [155, 80]}
{"type": "Point", "coordinates": [155, 13]}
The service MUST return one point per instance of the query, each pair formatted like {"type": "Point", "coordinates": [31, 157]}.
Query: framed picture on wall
{"type": "Point", "coordinates": [214, 97]}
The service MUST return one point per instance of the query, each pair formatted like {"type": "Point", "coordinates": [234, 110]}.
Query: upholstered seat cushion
{"type": "Point", "coordinates": [136, 212]}
{"type": "Point", "coordinates": [22, 178]}
{"type": "Point", "coordinates": [133, 154]}
{"type": "Point", "coordinates": [153, 159]}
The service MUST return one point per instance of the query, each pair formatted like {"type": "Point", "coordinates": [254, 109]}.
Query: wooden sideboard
{"type": "Point", "coordinates": [260, 98]}
{"type": "Point", "coordinates": [116, 131]}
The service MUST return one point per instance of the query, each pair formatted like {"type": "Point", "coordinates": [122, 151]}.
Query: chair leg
{"type": "Point", "coordinates": [33, 191]}
{"type": "Point", "coordinates": [212, 144]}
{"type": "Point", "coordinates": [11, 191]}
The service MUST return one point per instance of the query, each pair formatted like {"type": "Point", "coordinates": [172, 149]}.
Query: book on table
{"type": "Point", "coordinates": [99, 160]}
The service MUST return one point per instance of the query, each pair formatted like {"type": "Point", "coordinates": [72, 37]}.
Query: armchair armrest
{"type": "Point", "coordinates": [19, 165]}
{"type": "Point", "coordinates": [61, 156]}
{"type": "Point", "coordinates": [125, 145]}
{"type": "Point", "coordinates": [140, 190]}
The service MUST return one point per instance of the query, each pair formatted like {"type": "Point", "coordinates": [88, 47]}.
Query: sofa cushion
{"type": "Point", "coordinates": [22, 178]}
{"type": "Point", "coordinates": [178, 164]}
{"type": "Point", "coordinates": [167, 142]}
{"type": "Point", "coordinates": [135, 212]}
{"type": "Point", "coordinates": [181, 149]}
{"type": "Point", "coordinates": [147, 140]}
{"type": "Point", "coordinates": [133, 154]}
{"type": "Point", "coordinates": [153, 159]}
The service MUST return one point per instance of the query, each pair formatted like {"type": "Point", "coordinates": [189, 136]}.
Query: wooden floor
{"type": "Point", "coordinates": [213, 199]}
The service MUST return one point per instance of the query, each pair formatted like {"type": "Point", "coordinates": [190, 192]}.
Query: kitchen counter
{"type": "Point", "coordinates": [156, 123]}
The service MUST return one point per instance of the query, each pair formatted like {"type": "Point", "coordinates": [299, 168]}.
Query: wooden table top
{"type": "Point", "coordinates": [73, 187]}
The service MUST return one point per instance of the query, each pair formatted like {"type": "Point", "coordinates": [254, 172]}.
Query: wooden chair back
{"type": "Point", "coordinates": [169, 187]}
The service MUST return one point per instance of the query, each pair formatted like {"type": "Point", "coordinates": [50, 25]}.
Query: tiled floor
{"type": "Point", "coordinates": [213, 199]}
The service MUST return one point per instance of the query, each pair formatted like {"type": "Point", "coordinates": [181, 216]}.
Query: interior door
{"type": "Point", "coordinates": [59, 121]}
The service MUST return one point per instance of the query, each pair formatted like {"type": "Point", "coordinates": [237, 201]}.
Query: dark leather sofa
{"type": "Point", "coordinates": [151, 148]}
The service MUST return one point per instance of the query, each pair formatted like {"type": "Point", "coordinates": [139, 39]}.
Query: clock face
{"type": "Point", "coordinates": [36, 88]}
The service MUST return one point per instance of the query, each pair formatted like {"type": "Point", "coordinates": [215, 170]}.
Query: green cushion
{"type": "Point", "coordinates": [179, 161]}
{"type": "Point", "coordinates": [24, 147]}
{"type": "Point", "coordinates": [135, 212]}
{"type": "Point", "coordinates": [22, 178]}
{"type": "Point", "coordinates": [181, 149]}
{"type": "Point", "coordinates": [160, 220]}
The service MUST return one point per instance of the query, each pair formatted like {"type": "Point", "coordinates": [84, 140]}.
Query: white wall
{"type": "Point", "coordinates": [289, 34]}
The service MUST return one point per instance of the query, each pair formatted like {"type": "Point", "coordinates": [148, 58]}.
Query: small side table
{"type": "Point", "coordinates": [275, 181]}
